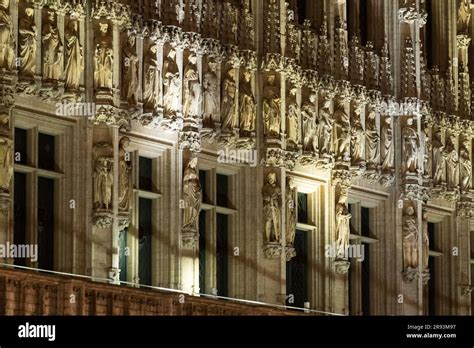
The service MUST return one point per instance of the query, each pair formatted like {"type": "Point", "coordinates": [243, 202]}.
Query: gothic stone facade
{"type": "Point", "coordinates": [355, 114]}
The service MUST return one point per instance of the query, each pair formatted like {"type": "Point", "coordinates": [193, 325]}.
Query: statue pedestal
{"type": "Point", "coordinates": [342, 266]}
{"type": "Point", "coordinates": [272, 250]}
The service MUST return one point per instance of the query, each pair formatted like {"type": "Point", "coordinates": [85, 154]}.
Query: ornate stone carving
{"type": "Point", "coordinates": [291, 205]}
{"type": "Point", "coordinates": [325, 129]}
{"type": "Point", "coordinates": [74, 56]}
{"type": "Point", "coordinates": [247, 105]}
{"type": "Point", "coordinates": [130, 85]}
{"type": "Point", "coordinates": [292, 123]}
{"type": "Point", "coordinates": [53, 49]}
{"type": "Point", "coordinates": [465, 166]}
{"type": "Point", "coordinates": [229, 116]}
{"type": "Point", "coordinates": [411, 148]}
{"type": "Point", "coordinates": [452, 162]}
{"type": "Point", "coordinates": [102, 155]}
{"type": "Point", "coordinates": [342, 133]}
{"type": "Point", "coordinates": [103, 58]}
{"type": "Point", "coordinates": [372, 141]}
{"type": "Point", "coordinates": [192, 197]}
{"type": "Point", "coordinates": [171, 85]}
{"type": "Point", "coordinates": [357, 142]}
{"type": "Point", "coordinates": [152, 88]}
{"type": "Point", "coordinates": [271, 108]}
{"type": "Point", "coordinates": [309, 118]}
{"type": "Point", "coordinates": [7, 43]}
{"type": "Point", "coordinates": [342, 228]}
{"type": "Point", "coordinates": [464, 16]}
{"type": "Point", "coordinates": [272, 210]}
{"type": "Point", "coordinates": [211, 99]}
{"type": "Point", "coordinates": [27, 43]}
{"type": "Point", "coordinates": [124, 175]}
{"type": "Point", "coordinates": [192, 90]}
{"type": "Point", "coordinates": [439, 159]}
{"type": "Point", "coordinates": [410, 239]}
{"type": "Point", "coordinates": [6, 164]}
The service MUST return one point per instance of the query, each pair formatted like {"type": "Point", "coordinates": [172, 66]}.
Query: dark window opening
{"type": "Point", "coordinates": [21, 143]}
{"type": "Point", "coordinates": [45, 223]}
{"type": "Point", "coordinates": [145, 180]}
{"type": "Point", "coordinates": [432, 235]}
{"type": "Point", "coordinates": [19, 230]}
{"type": "Point", "coordinates": [365, 280]}
{"type": "Point", "coordinates": [46, 151]}
{"type": "Point", "coordinates": [297, 272]}
{"type": "Point", "coordinates": [365, 222]}
{"type": "Point", "coordinates": [302, 208]}
{"type": "Point", "coordinates": [123, 254]}
{"type": "Point", "coordinates": [202, 252]}
{"type": "Point", "coordinates": [204, 188]}
{"type": "Point", "coordinates": [363, 22]}
{"type": "Point", "coordinates": [428, 47]}
{"type": "Point", "coordinates": [222, 249]}
{"type": "Point", "coordinates": [301, 11]}
{"type": "Point", "coordinates": [432, 287]}
{"type": "Point", "coordinates": [222, 190]}
{"type": "Point", "coordinates": [144, 237]}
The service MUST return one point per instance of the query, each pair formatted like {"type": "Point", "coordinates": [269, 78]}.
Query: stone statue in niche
{"type": "Point", "coordinates": [103, 175]}
{"type": "Point", "coordinates": [308, 116]}
{"type": "Point", "coordinates": [192, 88]}
{"type": "Point", "coordinates": [211, 99]}
{"type": "Point", "coordinates": [325, 128]}
{"type": "Point", "coordinates": [464, 16]}
{"type": "Point", "coordinates": [229, 116]}
{"type": "Point", "coordinates": [103, 58]}
{"type": "Point", "coordinates": [248, 105]}
{"type": "Point", "coordinates": [357, 141]}
{"type": "Point", "coordinates": [53, 50]}
{"type": "Point", "coordinates": [439, 159]}
{"type": "Point", "coordinates": [192, 196]}
{"type": "Point", "coordinates": [27, 43]}
{"type": "Point", "coordinates": [342, 133]}
{"type": "Point", "coordinates": [74, 56]}
{"type": "Point", "coordinates": [372, 141]}
{"type": "Point", "coordinates": [272, 209]}
{"type": "Point", "coordinates": [7, 54]}
{"type": "Point", "coordinates": [291, 205]}
{"type": "Point", "coordinates": [292, 124]}
{"type": "Point", "coordinates": [171, 84]}
{"type": "Point", "coordinates": [465, 166]}
{"type": "Point", "coordinates": [410, 239]}
{"type": "Point", "coordinates": [151, 79]}
{"type": "Point", "coordinates": [426, 242]}
{"type": "Point", "coordinates": [343, 218]}
{"type": "Point", "coordinates": [130, 70]}
{"type": "Point", "coordinates": [6, 164]}
{"type": "Point", "coordinates": [411, 148]}
{"type": "Point", "coordinates": [124, 175]}
{"type": "Point", "coordinates": [452, 162]}
{"type": "Point", "coordinates": [428, 156]}
{"type": "Point", "coordinates": [271, 108]}
{"type": "Point", "coordinates": [387, 141]}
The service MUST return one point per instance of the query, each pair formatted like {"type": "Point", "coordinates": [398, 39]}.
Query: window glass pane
{"type": "Point", "coordinates": [302, 208]}
{"type": "Point", "coordinates": [45, 223]}
{"type": "Point", "coordinates": [46, 151]}
{"type": "Point", "coordinates": [144, 235]}
{"type": "Point", "coordinates": [145, 180]}
{"type": "Point", "coordinates": [432, 235]}
{"type": "Point", "coordinates": [222, 190]}
{"type": "Point", "coordinates": [19, 232]}
{"type": "Point", "coordinates": [297, 272]}
{"type": "Point", "coordinates": [21, 146]}
{"type": "Point", "coordinates": [203, 182]}
{"type": "Point", "coordinates": [202, 252]}
{"type": "Point", "coordinates": [123, 253]}
{"type": "Point", "coordinates": [222, 255]}
{"type": "Point", "coordinates": [432, 287]}
{"type": "Point", "coordinates": [365, 280]}
{"type": "Point", "coordinates": [365, 221]}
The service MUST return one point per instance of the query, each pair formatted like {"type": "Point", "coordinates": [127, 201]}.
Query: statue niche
{"type": "Point", "coordinates": [192, 89]}
{"type": "Point", "coordinates": [151, 90]}
{"type": "Point", "coordinates": [102, 155]}
{"type": "Point", "coordinates": [211, 95]}
{"type": "Point", "coordinates": [130, 84]}
{"type": "Point", "coordinates": [411, 148]}
{"type": "Point", "coordinates": [229, 116]}
{"type": "Point", "coordinates": [27, 43]}
{"type": "Point", "coordinates": [272, 209]}
{"type": "Point", "coordinates": [271, 108]}
{"type": "Point", "coordinates": [103, 58]}
{"type": "Point", "coordinates": [53, 50]}
{"type": "Point", "coordinates": [74, 56]}
{"type": "Point", "coordinates": [192, 196]}
{"type": "Point", "coordinates": [7, 44]}
{"type": "Point", "coordinates": [171, 85]}
{"type": "Point", "coordinates": [124, 175]}
{"type": "Point", "coordinates": [308, 115]}
{"type": "Point", "coordinates": [248, 105]}
{"type": "Point", "coordinates": [6, 164]}
{"type": "Point", "coordinates": [465, 166]}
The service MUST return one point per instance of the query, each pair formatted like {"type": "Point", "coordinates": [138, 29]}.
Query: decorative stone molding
{"type": "Point", "coordinates": [341, 266]}
{"type": "Point", "coordinates": [410, 275]}
{"type": "Point", "coordinates": [272, 250]}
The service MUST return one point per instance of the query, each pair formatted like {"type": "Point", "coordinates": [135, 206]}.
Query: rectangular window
{"type": "Point", "coordinates": [204, 188]}
{"type": "Point", "coordinates": [45, 223]}
{"type": "Point", "coordinates": [222, 250]}
{"type": "Point", "coordinates": [222, 190]}
{"type": "Point", "coordinates": [302, 208]}
{"type": "Point", "coordinates": [19, 231]}
{"type": "Point", "coordinates": [365, 222]}
{"type": "Point", "coordinates": [123, 253]}
{"type": "Point", "coordinates": [46, 151]}
{"type": "Point", "coordinates": [202, 252]}
{"type": "Point", "coordinates": [365, 280]}
{"type": "Point", "coordinates": [297, 272]}
{"type": "Point", "coordinates": [21, 146]}
{"type": "Point", "coordinates": [144, 235]}
{"type": "Point", "coordinates": [145, 171]}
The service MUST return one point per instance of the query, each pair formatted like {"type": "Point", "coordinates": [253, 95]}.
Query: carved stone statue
{"type": "Point", "coordinates": [229, 116]}
{"type": "Point", "coordinates": [439, 159]}
{"type": "Point", "coordinates": [342, 138]}
{"type": "Point", "coordinates": [410, 239]}
{"type": "Point", "coordinates": [308, 115]}
{"type": "Point", "coordinates": [465, 166]}
{"type": "Point", "coordinates": [248, 105]}
{"type": "Point", "coordinates": [130, 71]}
{"type": "Point", "coordinates": [325, 128]}
{"type": "Point", "coordinates": [171, 84]}
{"type": "Point", "coordinates": [428, 156]}
{"type": "Point", "coordinates": [211, 99]}
{"type": "Point", "coordinates": [53, 51]}
{"type": "Point", "coordinates": [103, 175]}
{"type": "Point", "coordinates": [192, 196]}
{"type": "Point", "coordinates": [151, 89]}
{"type": "Point", "coordinates": [6, 164]}
{"type": "Point", "coordinates": [452, 162]}
{"type": "Point", "coordinates": [464, 16]}
{"type": "Point", "coordinates": [74, 56]}
{"type": "Point", "coordinates": [372, 141]}
{"type": "Point", "coordinates": [271, 108]}
{"type": "Point", "coordinates": [192, 88]}
{"type": "Point", "coordinates": [292, 124]}
{"type": "Point", "coordinates": [411, 148]}
{"type": "Point", "coordinates": [7, 53]}
{"type": "Point", "coordinates": [426, 243]}
{"type": "Point", "coordinates": [290, 211]}
{"type": "Point", "coordinates": [124, 175]}
{"type": "Point", "coordinates": [103, 58]}
{"type": "Point", "coordinates": [357, 141]}
{"type": "Point", "coordinates": [272, 209]}
{"type": "Point", "coordinates": [27, 43]}
{"type": "Point", "coordinates": [342, 228]}
{"type": "Point", "coordinates": [387, 141]}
